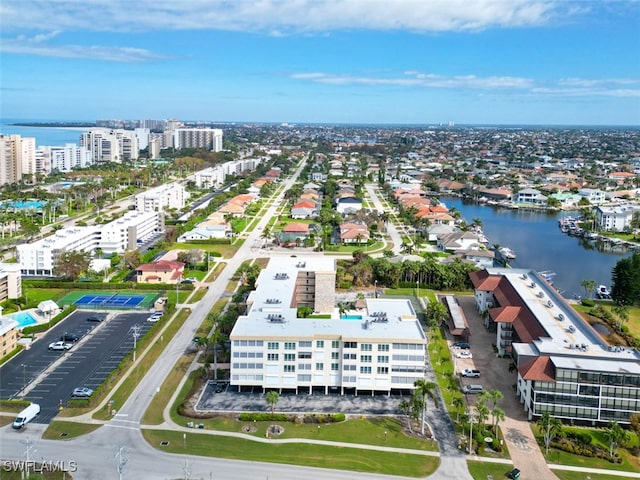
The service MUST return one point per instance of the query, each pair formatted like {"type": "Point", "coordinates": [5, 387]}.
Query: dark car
{"type": "Point", "coordinates": [514, 474]}
{"type": "Point", "coordinates": [69, 337]}
{"type": "Point", "coordinates": [95, 318]}
{"type": "Point", "coordinates": [462, 345]}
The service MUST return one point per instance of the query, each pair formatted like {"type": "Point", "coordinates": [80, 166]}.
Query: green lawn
{"type": "Point", "coordinates": [480, 470]}
{"type": "Point", "coordinates": [36, 295]}
{"type": "Point", "coordinates": [294, 454]}
{"type": "Point", "coordinates": [567, 475]}
{"type": "Point", "coordinates": [72, 429]}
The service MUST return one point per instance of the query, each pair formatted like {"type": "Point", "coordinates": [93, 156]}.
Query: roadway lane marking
{"type": "Point", "coordinates": [122, 426]}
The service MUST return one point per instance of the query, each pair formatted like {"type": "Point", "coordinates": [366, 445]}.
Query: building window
{"type": "Point", "coordinates": [365, 358]}
{"type": "Point", "coordinates": [350, 345]}
{"type": "Point", "coordinates": [383, 370]}
{"type": "Point", "coordinates": [365, 347]}
{"type": "Point", "coordinates": [289, 345]}
{"type": "Point", "coordinates": [304, 354]}
{"type": "Point", "coordinates": [289, 368]}
{"type": "Point", "coordinates": [383, 347]}
{"type": "Point", "coordinates": [365, 370]}
{"type": "Point", "coordinates": [304, 344]}
{"type": "Point", "coordinates": [349, 356]}
{"type": "Point", "coordinates": [335, 367]}
{"type": "Point", "coordinates": [336, 344]}
{"type": "Point", "coordinates": [273, 346]}
{"type": "Point", "coordinates": [272, 357]}
{"type": "Point", "coordinates": [319, 366]}
{"type": "Point", "coordinates": [383, 359]}
{"type": "Point", "coordinates": [335, 355]}
{"type": "Point", "coordinates": [289, 357]}
{"type": "Point", "coordinates": [319, 343]}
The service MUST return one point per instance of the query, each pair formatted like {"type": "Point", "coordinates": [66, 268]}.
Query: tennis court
{"type": "Point", "coordinates": [98, 300]}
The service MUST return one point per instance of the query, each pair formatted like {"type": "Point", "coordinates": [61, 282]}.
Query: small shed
{"type": "Point", "coordinates": [49, 307]}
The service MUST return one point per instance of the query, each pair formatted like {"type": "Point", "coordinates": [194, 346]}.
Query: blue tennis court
{"type": "Point", "coordinates": [110, 300]}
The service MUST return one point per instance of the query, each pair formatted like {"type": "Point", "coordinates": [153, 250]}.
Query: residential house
{"type": "Point", "coordinates": [164, 271]}
{"type": "Point", "coordinates": [304, 209]}
{"type": "Point", "coordinates": [530, 196]}
{"type": "Point", "coordinates": [352, 232]}
{"type": "Point", "coordinates": [346, 205]}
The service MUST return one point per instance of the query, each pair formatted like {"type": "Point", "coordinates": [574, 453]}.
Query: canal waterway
{"type": "Point", "coordinates": [539, 244]}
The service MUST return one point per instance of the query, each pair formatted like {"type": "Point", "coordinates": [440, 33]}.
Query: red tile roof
{"type": "Point", "coordinates": [540, 369]}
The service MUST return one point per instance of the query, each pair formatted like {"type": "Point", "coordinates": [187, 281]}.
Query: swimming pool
{"type": "Point", "coordinates": [24, 319]}
{"type": "Point", "coordinates": [24, 204]}
{"type": "Point", "coordinates": [351, 317]}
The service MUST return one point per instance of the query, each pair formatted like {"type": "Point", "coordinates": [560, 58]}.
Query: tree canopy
{"type": "Point", "coordinates": [70, 265]}
{"type": "Point", "coordinates": [625, 289]}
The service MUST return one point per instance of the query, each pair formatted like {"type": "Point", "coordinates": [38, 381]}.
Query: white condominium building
{"type": "Point", "coordinates": [164, 197]}
{"type": "Point", "coordinates": [39, 258]}
{"type": "Point", "coordinates": [208, 138]}
{"type": "Point", "coordinates": [564, 366]}
{"type": "Point", "coordinates": [17, 158]}
{"type": "Point", "coordinates": [616, 218]}
{"type": "Point", "coordinates": [111, 145]}
{"type": "Point", "coordinates": [62, 158]}
{"type": "Point", "coordinates": [379, 348]}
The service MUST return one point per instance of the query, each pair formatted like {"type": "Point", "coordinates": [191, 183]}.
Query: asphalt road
{"type": "Point", "coordinates": [51, 375]}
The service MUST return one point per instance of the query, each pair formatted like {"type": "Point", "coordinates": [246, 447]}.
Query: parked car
{"type": "Point", "coordinates": [60, 345]}
{"type": "Point", "coordinates": [95, 318]}
{"type": "Point", "coordinates": [468, 372]}
{"type": "Point", "coordinates": [69, 337]}
{"type": "Point", "coordinates": [464, 354]}
{"type": "Point", "coordinates": [155, 317]}
{"type": "Point", "coordinates": [82, 392]}
{"type": "Point", "coordinates": [472, 389]}
{"type": "Point", "coordinates": [514, 474]}
{"type": "Point", "coordinates": [461, 345]}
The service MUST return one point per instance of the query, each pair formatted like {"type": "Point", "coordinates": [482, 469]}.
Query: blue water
{"type": "Point", "coordinates": [24, 319]}
{"type": "Point", "coordinates": [539, 244]}
{"type": "Point", "coordinates": [43, 135]}
{"type": "Point", "coordinates": [22, 204]}
{"type": "Point", "coordinates": [351, 317]}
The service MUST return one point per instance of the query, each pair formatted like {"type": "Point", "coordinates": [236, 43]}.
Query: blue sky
{"type": "Point", "coordinates": [351, 61]}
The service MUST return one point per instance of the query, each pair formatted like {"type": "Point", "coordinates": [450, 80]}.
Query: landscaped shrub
{"type": "Point", "coordinates": [265, 417]}
{"type": "Point", "coordinates": [323, 418]}
{"type": "Point", "coordinates": [588, 302]}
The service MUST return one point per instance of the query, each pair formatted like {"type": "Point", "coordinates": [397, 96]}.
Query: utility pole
{"type": "Point", "coordinates": [29, 450]}
{"type": "Point", "coordinates": [135, 332]}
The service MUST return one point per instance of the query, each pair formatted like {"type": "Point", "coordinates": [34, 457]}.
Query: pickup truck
{"type": "Point", "coordinates": [468, 372]}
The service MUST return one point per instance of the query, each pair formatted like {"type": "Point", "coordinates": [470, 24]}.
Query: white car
{"type": "Point", "coordinates": [464, 354]}
{"type": "Point", "coordinates": [60, 346]}
{"type": "Point", "coordinates": [155, 317]}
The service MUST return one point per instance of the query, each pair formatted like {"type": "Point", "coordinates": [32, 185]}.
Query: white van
{"type": "Point", "coordinates": [26, 415]}
{"type": "Point", "coordinates": [472, 389]}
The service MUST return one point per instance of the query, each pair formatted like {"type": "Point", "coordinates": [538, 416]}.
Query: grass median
{"type": "Point", "coordinates": [310, 455]}
{"type": "Point", "coordinates": [58, 430]}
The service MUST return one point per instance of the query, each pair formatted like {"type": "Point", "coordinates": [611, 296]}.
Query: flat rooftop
{"type": "Point", "coordinates": [270, 313]}
{"type": "Point", "coordinates": [568, 334]}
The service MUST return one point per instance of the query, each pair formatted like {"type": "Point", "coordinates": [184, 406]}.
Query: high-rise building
{"type": "Point", "coordinates": [209, 138]}
{"type": "Point", "coordinates": [17, 158]}
{"type": "Point", "coordinates": [111, 145]}
{"type": "Point", "coordinates": [62, 158]}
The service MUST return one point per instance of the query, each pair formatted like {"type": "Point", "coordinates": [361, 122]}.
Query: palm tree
{"type": "Point", "coordinates": [408, 408]}
{"type": "Point", "coordinates": [272, 398]}
{"type": "Point", "coordinates": [498, 416]}
{"type": "Point", "coordinates": [458, 402]}
{"type": "Point", "coordinates": [589, 286]}
{"type": "Point", "coordinates": [551, 427]}
{"type": "Point", "coordinates": [423, 390]}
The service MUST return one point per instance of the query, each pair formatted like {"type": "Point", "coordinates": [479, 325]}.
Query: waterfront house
{"type": "Point", "coordinates": [530, 196]}
{"type": "Point", "coordinates": [616, 218]}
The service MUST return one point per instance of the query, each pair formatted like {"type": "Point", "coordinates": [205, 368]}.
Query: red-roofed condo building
{"type": "Point", "coordinates": [564, 366]}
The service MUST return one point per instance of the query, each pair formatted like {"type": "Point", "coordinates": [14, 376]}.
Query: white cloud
{"type": "Point", "coordinates": [38, 46]}
{"type": "Point", "coordinates": [412, 78]}
{"type": "Point", "coordinates": [278, 17]}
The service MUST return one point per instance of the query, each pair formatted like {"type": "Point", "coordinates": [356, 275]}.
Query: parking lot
{"type": "Point", "coordinates": [229, 400]}
{"type": "Point", "coordinates": [48, 377]}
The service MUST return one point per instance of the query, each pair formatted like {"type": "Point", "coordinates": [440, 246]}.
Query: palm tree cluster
{"type": "Point", "coordinates": [416, 406]}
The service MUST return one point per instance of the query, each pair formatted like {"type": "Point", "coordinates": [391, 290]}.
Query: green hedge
{"type": "Point", "coordinates": [588, 302]}
{"type": "Point", "coordinates": [43, 327]}
{"type": "Point", "coordinates": [265, 417]}
{"type": "Point", "coordinates": [14, 403]}
{"type": "Point", "coordinates": [105, 286]}
{"type": "Point", "coordinates": [11, 354]}
{"type": "Point", "coordinates": [212, 241]}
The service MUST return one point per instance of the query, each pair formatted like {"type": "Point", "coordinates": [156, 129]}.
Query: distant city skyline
{"type": "Point", "coordinates": [503, 62]}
